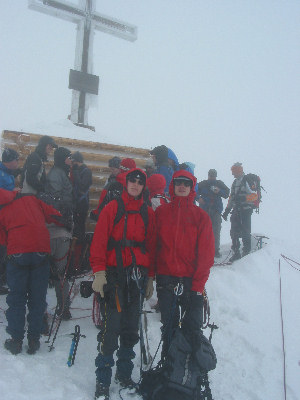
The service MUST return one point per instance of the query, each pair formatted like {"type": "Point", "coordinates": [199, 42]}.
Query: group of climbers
{"type": "Point", "coordinates": [149, 227]}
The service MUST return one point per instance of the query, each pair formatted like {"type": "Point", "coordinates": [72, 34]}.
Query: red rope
{"type": "Point", "coordinates": [282, 333]}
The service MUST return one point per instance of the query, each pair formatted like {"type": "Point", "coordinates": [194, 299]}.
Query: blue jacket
{"type": "Point", "coordinates": [7, 180]}
{"type": "Point", "coordinates": [213, 201]}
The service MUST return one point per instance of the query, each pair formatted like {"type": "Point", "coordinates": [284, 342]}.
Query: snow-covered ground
{"type": "Point", "coordinates": [245, 304]}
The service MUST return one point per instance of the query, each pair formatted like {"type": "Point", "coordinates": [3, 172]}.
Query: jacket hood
{"type": "Point", "coordinates": [186, 174]}
{"type": "Point", "coordinates": [60, 156]}
{"type": "Point", "coordinates": [173, 157]}
{"type": "Point", "coordinates": [156, 184]}
{"type": "Point", "coordinates": [161, 154]}
{"type": "Point", "coordinates": [6, 196]}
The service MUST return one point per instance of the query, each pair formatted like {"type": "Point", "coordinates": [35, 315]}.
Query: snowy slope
{"type": "Point", "coordinates": [245, 304]}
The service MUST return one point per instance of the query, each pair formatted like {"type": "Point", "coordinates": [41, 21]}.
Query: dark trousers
{"type": "Point", "coordinates": [2, 265]}
{"type": "Point", "coordinates": [241, 228]}
{"type": "Point", "coordinates": [79, 218]}
{"type": "Point", "coordinates": [216, 221]}
{"type": "Point", "coordinates": [174, 306]}
{"type": "Point", "coordinates": [120, 311]}
{"type": "Point", "coordinates": [27, 279]}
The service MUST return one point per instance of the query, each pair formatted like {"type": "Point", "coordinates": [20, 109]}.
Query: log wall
{"type": "Point", "coordinates": [96, 156]}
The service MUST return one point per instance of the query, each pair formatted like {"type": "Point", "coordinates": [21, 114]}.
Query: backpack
{"type": "Point", "coordinates": [254, 199]}
{"type": "Point", "coordinates": [114, 191]}
{"type": "Point", "coordinates": [183, 375]}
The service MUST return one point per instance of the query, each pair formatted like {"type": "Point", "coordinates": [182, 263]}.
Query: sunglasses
{"type": "Point", "coordinates": [187, 183]}
{"type": "Point", "coordinates": [135, 180]}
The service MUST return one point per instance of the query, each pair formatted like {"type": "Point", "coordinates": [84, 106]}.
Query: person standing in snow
{"type": "Point", "coordinates": [24, 232]}
{"type": "Point", "coordinates": [241, 212]}
{"type": "Point", "coordinates": [211, 192]}
{"type": "Point", "coordinates": [121, 257]}
{"type": "Point", "coordinates": [34, 174]}
{"type": "Point", "coordinates": [59, 186]}
{"type": "Point", "coordinates": [184, 256]}
{"type": "Point", "coordinates": [8, 171]}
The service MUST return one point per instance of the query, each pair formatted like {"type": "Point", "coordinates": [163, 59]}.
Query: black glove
{"type": "Point", "coordinates": [194, 314]}
{"type": "Point", "coordinates": [225, 214]}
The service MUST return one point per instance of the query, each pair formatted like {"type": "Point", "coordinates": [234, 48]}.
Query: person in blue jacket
{"type": "Point", "coordinates": [8, 169]}
{"type": "Point", "coordinates": [160, 156]}
{"type": "Point", "coordinates": [211, 192]}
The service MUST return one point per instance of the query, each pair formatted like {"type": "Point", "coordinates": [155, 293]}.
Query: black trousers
{"type": "Point", "coordinates": [241, 228]}
{"type": "Point", "coordinates": [120, 310]}
{"type": "Point", "coordinates": [174, 307]}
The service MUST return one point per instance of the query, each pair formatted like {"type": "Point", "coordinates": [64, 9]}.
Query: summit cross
{"type": "Point", "coordinates": [87, 19]}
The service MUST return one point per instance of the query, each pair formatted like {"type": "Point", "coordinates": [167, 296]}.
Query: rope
{"type": "Point", "coordinates": [287, 259]}
{"type": "Point", "coordinates": [282, 333]}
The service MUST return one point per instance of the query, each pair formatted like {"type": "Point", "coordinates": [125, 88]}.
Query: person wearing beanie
{"type": "Point", "coordinates": [8, 168]}
{"type": "Point", "coordinates": [81, 177]}
{"type": "Point", "coordinates": [241, 212]}
{"type": "Point", "coordinates": [211, 192]}
{"type": "Point", "coordinates": [114, 187]}
{"type": "Point", "coordinates": [58, 185]}
{"type": "Point", "coordinates": [160, 155]}
{"type": "Point", "coordinates": [184, 255]}
{"type": "Point", "coordinates": [33, 174]}
{"type": "Point", "coordinates": [121, 256]}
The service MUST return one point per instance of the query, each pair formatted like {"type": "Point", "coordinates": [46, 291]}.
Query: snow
{"type": "Point", "coordinates": [245, 305]}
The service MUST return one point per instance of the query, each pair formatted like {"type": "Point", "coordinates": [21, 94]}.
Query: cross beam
{"type": "Point", "coordinates": [87, 20]}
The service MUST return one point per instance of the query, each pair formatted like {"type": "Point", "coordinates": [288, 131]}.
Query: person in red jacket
{"type": "Point", "coordinates": [23, 231]}
{"type": "Point", "coordinates": [156, 184]}
{"type": "Point", "coordinates": [121, 256]}
{"type": "Point", "coordinates": [184, 254]}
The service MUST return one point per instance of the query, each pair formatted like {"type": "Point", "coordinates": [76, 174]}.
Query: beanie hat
{"type": "Point", "coordinates": [114, 162]}
{"type": "Point", "coordinates": [213, 173]}
{"type": "Point", "coordinates": [161, 154]}
{"type": "Point", "coordinates": [77, 157]}
{"type": "Point", "coordinates": [9, 155]}
{"type": "Point", "coordinates": [137, 174]}
{"type": "Point", "coordinates": [237, 168]}
{"type": "Point", "coordinates": [156, 184]}
{"type": "Point", "coordinates": [127, 164]}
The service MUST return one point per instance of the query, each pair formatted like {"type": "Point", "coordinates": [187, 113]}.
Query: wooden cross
{"type": "Point", "coordinates": [87, 19]}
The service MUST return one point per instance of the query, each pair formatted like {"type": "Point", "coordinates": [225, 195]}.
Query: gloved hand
{"type": "Point", "coordinates": [99, 282]}
{"type": "Point", "coordinates": [225, 214]}
{"type": "Point", "coordinates": [149, 289]}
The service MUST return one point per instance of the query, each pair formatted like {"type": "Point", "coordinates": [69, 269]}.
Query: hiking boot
{"type": "Point", "coordinates": [102, 392]}
{"type": "Point", "coordinates": [13, 345]}
{"type": "Point", "coordinates": [235, 256]}
{"type": "Point", "coordinates": [245, 252]}
{"type": "Point", "coordinates": [126, 383]}
{"type": "Point", "coordinates": [3, 290]}
{"type": "Point", "coordinates": [33, 345]}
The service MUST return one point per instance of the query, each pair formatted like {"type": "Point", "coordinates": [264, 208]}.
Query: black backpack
{"type": "Point", "coordinates": [183, 375]}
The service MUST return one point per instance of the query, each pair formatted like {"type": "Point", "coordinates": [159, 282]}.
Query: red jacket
{"type": "Point", "coordinates": [22, 223]}
{"type": "Point", "coordinates": [185, 240]}
{"type": "Point", "coordinates": [101, 257]}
